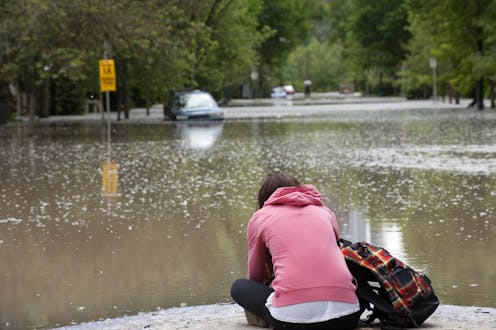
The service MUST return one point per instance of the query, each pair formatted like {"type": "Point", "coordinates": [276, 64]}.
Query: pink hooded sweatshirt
{"type": "Point", "coordinates": [300, 233]}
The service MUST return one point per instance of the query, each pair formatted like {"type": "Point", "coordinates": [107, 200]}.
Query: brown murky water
{"type": "Point", "coordinates": [421, 184]}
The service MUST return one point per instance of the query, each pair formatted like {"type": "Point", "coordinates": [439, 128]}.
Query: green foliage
{"type": "Point", "coordinates": [158, 46]}
{"type": "Point", "coordinates": [288, 20]}
{"type": "Point", "coordinates": [161, 46]}
{"type": "Point", "coordinates": [389, 43]}
{"type": "Point", "coordinates": [366, 45]}
{"type": "Point", "coordinates": [317, 61]}
{"type": "Point", "coordinates": [459, 35]}
{"type": "Point", "coordinates": [233, 52]}
{"type": "Point", "coordinates": [376, 37]}
{"type": "Point", "coordinates": [67, 97]}
{"type": "Point", "coordinates": [285, 23]}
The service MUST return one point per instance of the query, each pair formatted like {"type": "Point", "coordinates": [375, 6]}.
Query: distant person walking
{"type": "Point", "coordinates": [307, 83]}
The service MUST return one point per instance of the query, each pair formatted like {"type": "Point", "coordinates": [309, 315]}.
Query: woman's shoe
{"type": "Point", "coordinates": [255, 320]}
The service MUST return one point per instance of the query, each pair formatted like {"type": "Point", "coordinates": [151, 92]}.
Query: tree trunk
{"type": "Point", "coordinates": [25, 103]}
{"type": "Point", "coordinates": [479, 94]}
{"type": "Point", "coordinates": [32, 105]}
{"type": "Point", "coordinates": [4, 103]}
{"type": "Point", "coordinates": [491, 92]}
{"type": "Point", "coordinates": [381, 92]}
{"type": "Point", "coordinates": [122, 92]}
{"type": "Point", "coordinates": [18, 97]}
{"type": "Point", "coordinates": [45, 100]}
{"type": "Point", "coordinates": [125, 101]}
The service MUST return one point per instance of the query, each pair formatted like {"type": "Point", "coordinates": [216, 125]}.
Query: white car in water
{"type": "Point", "coordinates": [193, 105]}
{"type": "Point", "coordinates": [278, 93]}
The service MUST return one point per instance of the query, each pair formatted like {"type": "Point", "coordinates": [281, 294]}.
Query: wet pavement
{"type": "Point", "coordinates": [231, 317]}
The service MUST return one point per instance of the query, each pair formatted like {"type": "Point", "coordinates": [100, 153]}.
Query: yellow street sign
{"type": "Point", "coordinates": [107, 75]}
{"type": "Point", "coordinates": [109, 178]}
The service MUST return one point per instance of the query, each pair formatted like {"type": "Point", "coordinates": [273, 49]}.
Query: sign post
{"type": "Point", "coordinates": [108, 84]}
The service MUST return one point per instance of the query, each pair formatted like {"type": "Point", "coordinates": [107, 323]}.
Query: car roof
{"type": "Point", "coordinates": [196, 91]}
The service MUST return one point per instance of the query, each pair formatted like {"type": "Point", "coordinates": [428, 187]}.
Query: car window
{"type": "Point", "coordinates": [196, 101]}
{"type": "Point", "coordinates": [176, 102]}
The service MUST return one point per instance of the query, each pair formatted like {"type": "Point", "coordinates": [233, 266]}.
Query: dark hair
{"type": "Point", "coordinates": [272, 182]}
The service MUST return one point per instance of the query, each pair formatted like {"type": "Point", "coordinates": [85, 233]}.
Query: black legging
{"type": "Point", "coordinates": [252, 296]}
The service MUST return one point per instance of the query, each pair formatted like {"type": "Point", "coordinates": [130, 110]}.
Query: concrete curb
{"type": "Point", "coordinates": [231, 317]}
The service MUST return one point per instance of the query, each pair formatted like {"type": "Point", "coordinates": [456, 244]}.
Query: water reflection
{"type": "Point", "coordinates": [356, 228]}
{"type": "Point", "coordinates": [200, 135]}
{"type": "Point", "coordinates": [387, 234]}
{"type": "Point", "coordinates": [176, 231]}
{"type": "Point", "coordinates": [283, 102]}
{"type": "Point", "coordinates": [110, 177]}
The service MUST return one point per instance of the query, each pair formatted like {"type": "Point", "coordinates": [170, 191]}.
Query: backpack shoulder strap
{"type": "Point", "coordinates": [379, 307]}
{"type": "Point", "coordinates": [365, 291]}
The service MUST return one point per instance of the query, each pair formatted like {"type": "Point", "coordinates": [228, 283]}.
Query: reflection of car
{"type": "Point", "coordinates": [200, 135]}
{"type": "Point", "coordinates": [289, 89]}
{"type": "Point", "coordinates": [193, 104]}
{"type": "Point", "coordinates": [278, 93]}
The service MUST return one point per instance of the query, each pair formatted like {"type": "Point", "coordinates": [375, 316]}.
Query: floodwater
{"type": "Point", "coordinates": [171, 229]}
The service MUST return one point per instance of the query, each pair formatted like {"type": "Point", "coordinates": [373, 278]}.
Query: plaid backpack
{"type": "Point", "coordinates": [396, 294]}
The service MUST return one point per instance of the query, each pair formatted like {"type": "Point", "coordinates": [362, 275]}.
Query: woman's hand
{"type": "Point", "coordinates": [269, 269]}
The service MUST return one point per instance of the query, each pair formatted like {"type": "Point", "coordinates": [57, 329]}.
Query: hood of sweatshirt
{"type": "Point", "coordinates": [295, 196]}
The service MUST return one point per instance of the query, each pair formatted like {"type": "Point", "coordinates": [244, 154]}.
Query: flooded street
{"type": "Point", "coordinates": [420, 183]}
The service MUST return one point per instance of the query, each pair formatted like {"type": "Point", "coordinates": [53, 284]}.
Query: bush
{"type": "Point", "coordinates": [67, 97]}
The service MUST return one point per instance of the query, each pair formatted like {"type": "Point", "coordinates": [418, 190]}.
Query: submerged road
{"type": "Point", "coordinates": [267, 108]}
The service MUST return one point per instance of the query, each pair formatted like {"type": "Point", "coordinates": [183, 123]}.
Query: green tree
{"type": "Point", "coordinates": [233, 50]}
{"type": "Point", "coordinates": [55, 41]}
{"type": "Point", "coordinates": [376, 39]}
{"type": "Point", "coordinates": [488, 58]}
{"type": "Point", "coordinates": [33, 50]}
{"type": "Point", "coordinates": [459, 35]}
{"type": "Point", "coordinates": [288, 23]}
{"type": "Point", "coordinates": [328, 20]}
{"type": "Point", "coordinates": [158, 46]}
{"type": "Point", "coordinates": [318, 61]}
{"type": "Point", "coordinates": [319, 58]}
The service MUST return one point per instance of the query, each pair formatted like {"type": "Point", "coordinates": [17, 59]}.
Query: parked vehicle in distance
{"type": "Point", "coordinates": [282, 92]}
{"type": "Point", "coordinates": [289, 89]}
{"type": "Point", "coordinates": [194, 104]}
{"type": "Point", "coordinates": [278, 93]}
